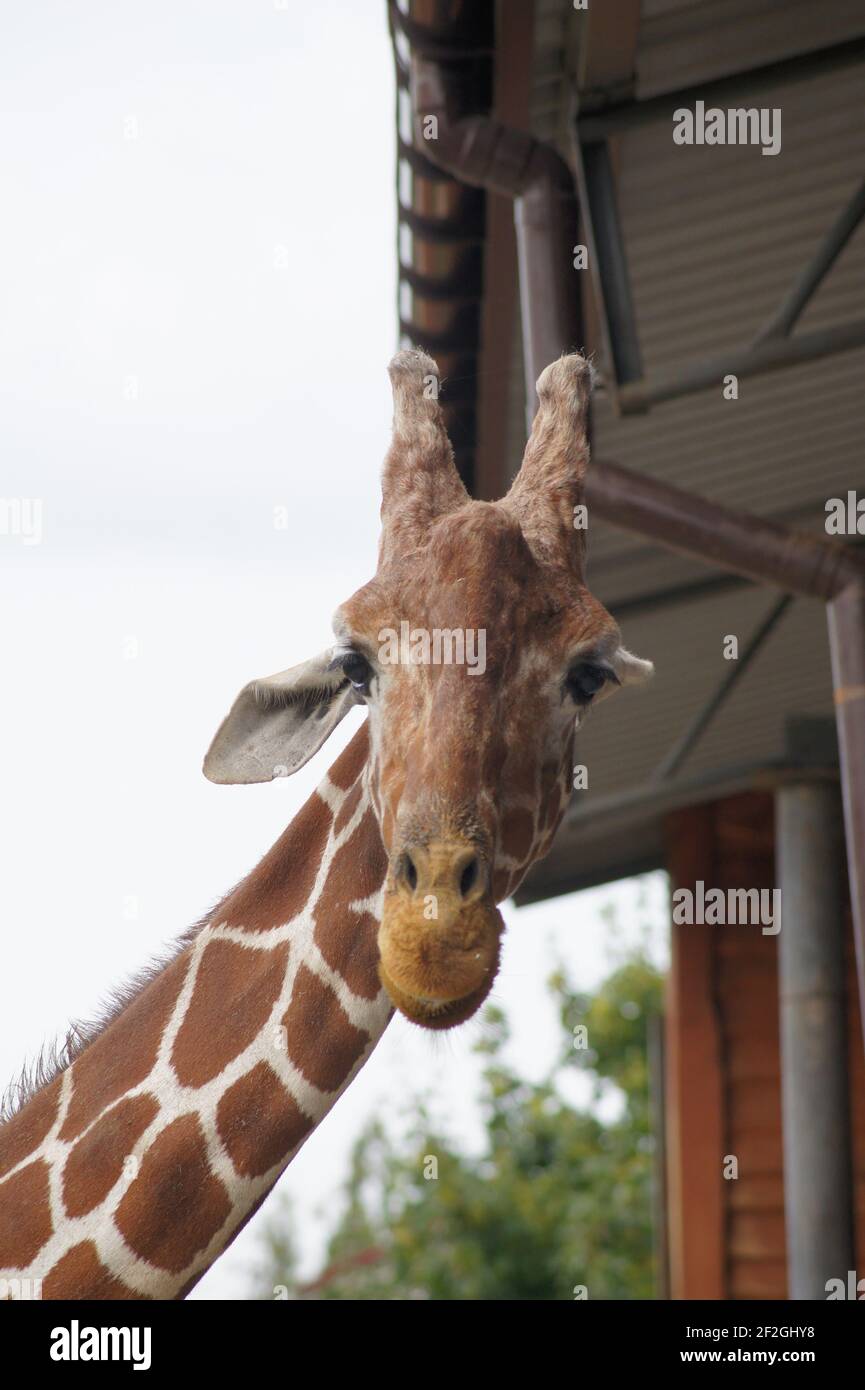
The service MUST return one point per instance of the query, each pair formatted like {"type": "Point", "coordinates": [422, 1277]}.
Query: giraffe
{"type": "Point", "coordinates": [127, 1172]}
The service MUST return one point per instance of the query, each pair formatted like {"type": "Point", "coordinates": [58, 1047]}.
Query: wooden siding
{"type": "Point", "coordinates": [723, 1071]}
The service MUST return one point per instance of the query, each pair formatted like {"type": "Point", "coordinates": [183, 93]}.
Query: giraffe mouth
{"type": "Point", "coordinates": [434, 1013]}
{"type": "Point", "coordinates": [438, 972]}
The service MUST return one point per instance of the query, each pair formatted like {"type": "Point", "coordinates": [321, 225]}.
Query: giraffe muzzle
{"type": "Point", "coordinates": [440, 932]}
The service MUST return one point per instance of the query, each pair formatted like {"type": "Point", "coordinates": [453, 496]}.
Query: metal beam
{"type": "Point", "coordinates": [765, 355]}
{"type": "Point", "coordinates": [608, 262]}
{"type": "Point", "coordinates": [607, 63]}
{"type": "Point", "coordinates": [769, 350]}
{"type": "Point", "coordinates": [741, 84]}
{"type": "Point", "coordinates": [821, 263]}
{"type": "Point", "coordinates": [703, 718]}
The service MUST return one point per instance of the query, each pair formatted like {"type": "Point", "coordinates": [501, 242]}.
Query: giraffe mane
{"type": "Point", "coordinates": [59, 1053]}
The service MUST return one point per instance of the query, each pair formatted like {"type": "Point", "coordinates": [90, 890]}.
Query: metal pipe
{"type": "Point", "coordinates": [763, 550]}
{"type": "Point", "coordinates": [486, 153]}
{"type": "Point", "coordinates": [846, 614]}
{"type": "Point", "coordinates": [545, 216]}
{"type": "Point", "coordinates": [818, 1198]}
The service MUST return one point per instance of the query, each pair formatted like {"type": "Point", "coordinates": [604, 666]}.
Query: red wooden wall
{"type": "Point", "coordinates": [726, 1237]}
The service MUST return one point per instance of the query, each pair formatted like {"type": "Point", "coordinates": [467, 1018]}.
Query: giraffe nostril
{"type": "Point", "coordinates": [408, 871]}
{"type": "Point", "coordinates": [469, 876]}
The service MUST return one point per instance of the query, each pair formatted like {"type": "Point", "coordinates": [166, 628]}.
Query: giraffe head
{"type": "Point", "coordinates": [477, 650]}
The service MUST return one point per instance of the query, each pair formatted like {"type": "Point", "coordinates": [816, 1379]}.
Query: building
{"type": "Point", "coordinates": [544, 203]}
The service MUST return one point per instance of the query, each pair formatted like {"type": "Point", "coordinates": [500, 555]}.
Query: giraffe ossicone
{"type": "Point", "coordinates": [126, 1173]}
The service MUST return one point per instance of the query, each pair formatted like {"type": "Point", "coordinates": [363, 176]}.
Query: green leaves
{"type": "Point", "coordinates": [559, 1197]}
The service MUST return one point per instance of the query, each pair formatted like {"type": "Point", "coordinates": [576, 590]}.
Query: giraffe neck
{"type": "Point", "coordinates": [129, 1173]}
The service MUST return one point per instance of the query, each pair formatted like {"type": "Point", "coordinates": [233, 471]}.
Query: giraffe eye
{"type": "Point", "coordinates": [585, 679]}
{"type": "Point", "coordinates": [357, 670]}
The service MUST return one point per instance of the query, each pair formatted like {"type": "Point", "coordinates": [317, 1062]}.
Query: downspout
{"type": "Point", "coordinates": [846, 612]}
{"type": "Point", "coordinates": [815, 1084]}
{"type": "Point", "coordinates": [482, 151]}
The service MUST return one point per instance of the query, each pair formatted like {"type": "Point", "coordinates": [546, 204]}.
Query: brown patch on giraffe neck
{"type": "Point", "coordinates": [25, 1215]}
{"type": "Point", "coordinates": [125, 1053]}
{"type": "Point", "coordinates": [81, 1274]}
{"type": "Point", "coordinates": [321, 1039]}
{"type": "Point", "coordinates": [348, 807]}
{"type": "Point", "coordinates": [259, 1123]}
{"type": "Point", "coordinates": [187, 1288]}
{"type": "Point", "coordinates": [175, 1206]}
{"type": "Point", "coordinates": [354, 932]}
{"type": "Point", "coordinates": [25, 1131]}
{"type": "Point", "coordinates": [235, 989]}
{"type": "Point", "coordinates": [350, 763]}
{"type": "Point", "coordinates": [348, 939]}
{"type": "Point", "coordinates": [279, 888]}
{"type": "Point", "coordinates": [97, 1160]}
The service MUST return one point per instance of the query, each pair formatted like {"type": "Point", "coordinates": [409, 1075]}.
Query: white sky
{"type": "Point", "coordinates": [197, 267]}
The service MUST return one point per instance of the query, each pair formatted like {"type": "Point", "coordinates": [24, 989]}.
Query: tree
{"type": "Point", "coordinates": [560, 1200]}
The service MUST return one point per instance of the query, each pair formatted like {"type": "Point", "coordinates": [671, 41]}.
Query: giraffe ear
{"type": "Point", "coordinates": [630, 669]}
{"type": "Point", "coordinates": [278, 723]}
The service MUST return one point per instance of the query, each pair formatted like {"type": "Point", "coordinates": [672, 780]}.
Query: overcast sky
{"type": "Point", "coordinates": [197, 271]}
